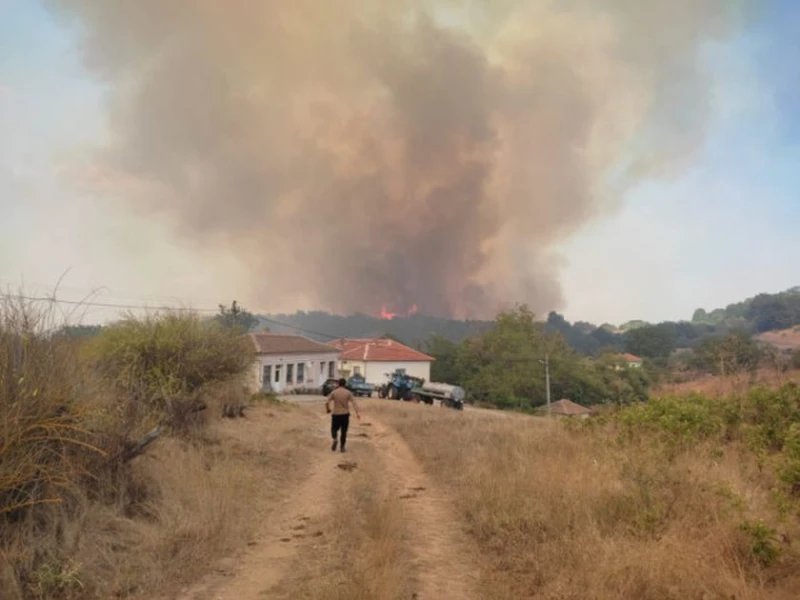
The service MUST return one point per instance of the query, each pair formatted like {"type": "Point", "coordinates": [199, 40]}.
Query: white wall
{"type": "Point", "coordinates": [374, 371]}
{"type": "Point", "coordinates": [348, 367]}
{"type": "Point", "coordinates": [314, 375]}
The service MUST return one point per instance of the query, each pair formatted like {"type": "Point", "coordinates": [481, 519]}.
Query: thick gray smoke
{"type": "Point", "coordinates": [363, 153]}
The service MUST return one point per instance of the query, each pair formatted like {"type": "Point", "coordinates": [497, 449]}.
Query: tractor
{"type": "Point", "coordinates": [399, 385]}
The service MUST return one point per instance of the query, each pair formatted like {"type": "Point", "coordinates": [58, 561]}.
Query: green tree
{"type": "Point", "coordinates": [768, 312]}
{"type": "Point", "coordinates": [734, 353]}
{"type": "Point", "coordinates": [236, 318]}
{"type": "Point", "coordinates": [447, 367]}
{"type": "Point", "coordinates": [651, 341]}
{"type": "Point", "coordinates": [502, 366]}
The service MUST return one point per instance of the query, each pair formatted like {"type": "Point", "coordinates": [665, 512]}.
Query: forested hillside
{"type": "Point", "coordinates": [413, 330]}
{"type": "Point", "coordinates": [764, 312]}
{"type": "Point", "coordinates": [656, 341]}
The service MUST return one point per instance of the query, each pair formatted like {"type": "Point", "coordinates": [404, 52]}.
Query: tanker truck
{"type": "Point", "coordinates": [451, 396]}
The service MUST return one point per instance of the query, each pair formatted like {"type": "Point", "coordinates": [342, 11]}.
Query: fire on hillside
{"type": "Point", "coordinates": [388, 314]}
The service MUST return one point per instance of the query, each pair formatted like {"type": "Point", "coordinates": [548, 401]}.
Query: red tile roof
{"type": "Point", "coordinates": [631, 357]}
{"type": "Point", "coordinates": [273, 343]}
{"type": "Point", "coordinates": [378, 350]}
{"type": "Point", "coordinates": [567, 407]}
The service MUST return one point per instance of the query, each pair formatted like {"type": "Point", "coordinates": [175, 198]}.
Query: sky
{"type": "Point", "coordinates": [721, 229]}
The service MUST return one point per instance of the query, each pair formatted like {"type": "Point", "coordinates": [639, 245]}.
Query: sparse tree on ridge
{"type": "Point", "coordinates": [236, 317]}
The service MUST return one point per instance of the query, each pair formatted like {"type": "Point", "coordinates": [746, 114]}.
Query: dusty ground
{"type": "Point", "coordinates": [364, 524]}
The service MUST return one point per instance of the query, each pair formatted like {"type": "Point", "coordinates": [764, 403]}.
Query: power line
{"type": "Point", "coordinates": [165, 308]}
{"type": "Point", "coordinates": [108, 304]}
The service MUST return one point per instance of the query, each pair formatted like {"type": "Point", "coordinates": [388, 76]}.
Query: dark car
{"type": "Point", "coordinates": [329, 386]}
{"type": "Point", "coordinates": [359, 386]}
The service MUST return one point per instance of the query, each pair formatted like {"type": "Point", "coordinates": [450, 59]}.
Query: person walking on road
{"type": "Point", "coordinates": [341, 399]}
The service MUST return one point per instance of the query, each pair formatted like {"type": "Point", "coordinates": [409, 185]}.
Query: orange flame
{"type": "Point", "coordinates": [388, 315]}
{"type": "Point", "coordinates": [385, 314]}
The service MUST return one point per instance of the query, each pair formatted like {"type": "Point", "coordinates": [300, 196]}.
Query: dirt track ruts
{"type": "Point", "coordinates": [440, 553]}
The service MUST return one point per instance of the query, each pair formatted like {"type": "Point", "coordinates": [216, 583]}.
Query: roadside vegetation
{"type": "Point", "coordinates": [680, 497]}
{"type": "Point", "coordinates": [504, 367]}
{"type": "Point", "coordinates": [111, 481]}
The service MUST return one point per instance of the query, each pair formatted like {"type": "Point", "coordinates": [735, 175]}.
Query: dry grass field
{"type": "Point", "coordinates": [783, 339]}
{"type": "Point", "coordinates": [714, 385]}
{"type": "Point", "coordinates": [686, 496]}
{"type": "Point", "coordinates": [564, 514]}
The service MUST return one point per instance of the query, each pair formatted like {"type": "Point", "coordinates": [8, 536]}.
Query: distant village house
{"type": "Point", "coordinates": [631, 360]}
{"type": "Point", "coordinates": [567, 408]}
{"type": "Point", "coordinates": [374, 358]}
{"type": "Point", "coordinates": [287, 362]}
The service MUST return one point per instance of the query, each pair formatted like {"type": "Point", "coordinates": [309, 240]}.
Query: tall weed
{"type": "Point", "coordinates": [70, 410]}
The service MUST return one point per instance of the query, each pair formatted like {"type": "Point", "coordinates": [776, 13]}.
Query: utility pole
{"type": "Point", "coordinates": [546, 363]}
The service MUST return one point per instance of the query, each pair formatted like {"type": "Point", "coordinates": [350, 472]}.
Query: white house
{"type": "Point", "coordinates": [285, 362]}
{"type": "Point", "coordinates": [633, 361]}
{"type": "Point", "coordinates": [374, 358]}
{"type": "Point", "coordinates": [628, 360]}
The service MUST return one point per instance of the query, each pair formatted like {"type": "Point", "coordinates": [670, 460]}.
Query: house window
{"type": "Point", "coordinates": [277, 373]}
{"type": "Point", "coordinates": [356, 370]}
{"type": "Point", "coordinates": [266, 373]}
{"type": "Point", "coordinates": [322, 369]}
{"type": "Point", "coordinates": [289, 374]}
{"type": "Point", "coordinates": [331, 366]}
{"type": "Point", "coordinates": [301, 372]}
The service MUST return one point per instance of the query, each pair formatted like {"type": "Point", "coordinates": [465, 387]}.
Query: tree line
{"type": "Point", "coordinates": [505, 366]}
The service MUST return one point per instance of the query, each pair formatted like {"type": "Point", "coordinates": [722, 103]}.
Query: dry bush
{"type": "Point", "coordinates": [581, 514]}
{"type": "Point", "coordinates": [159, 367]}
{"type": "Point", "coordinates": [78, 517]}
{"type": "Point", "coordinates": [45, 448]}
{"type": "Point", "coordinates": [190, 512]}
{"type": "Point", "coordinates": [41, 417]}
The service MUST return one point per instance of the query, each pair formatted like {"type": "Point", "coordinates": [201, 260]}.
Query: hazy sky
{"type": "Point", "coordinates": [724, 226]}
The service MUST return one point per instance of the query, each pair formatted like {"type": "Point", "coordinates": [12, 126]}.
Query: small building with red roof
{"type": "Point", "coordinates": [374, 358]}
{"type": "Point", "coordinates": [287, 362]}
{"type": "Point", "coordinates": [631, 360]}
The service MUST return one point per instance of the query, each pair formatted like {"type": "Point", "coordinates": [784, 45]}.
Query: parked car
{"type": "Point", "coordinates": [329, 386]}
{"type": "Point", "coordinates": [358, 386]}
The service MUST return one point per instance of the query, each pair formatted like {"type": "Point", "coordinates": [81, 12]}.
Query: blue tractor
{"type": "Point", "coordinates": [399, 385]}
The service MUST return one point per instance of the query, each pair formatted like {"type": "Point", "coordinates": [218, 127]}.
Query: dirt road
{"type": "Point", "coordinates": [365, 524]}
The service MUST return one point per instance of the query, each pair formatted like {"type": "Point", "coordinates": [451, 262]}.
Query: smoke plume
{"type": "Point", "coordinates": [366, 153]}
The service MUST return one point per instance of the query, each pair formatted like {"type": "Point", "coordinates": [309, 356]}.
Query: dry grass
{"type": "Point", "coordinates": [190, 514]}
{"type": "Point", "coordinates": [714, 385]}
{"type": "Point", "coordinates": [783, 339]}
{"type": "Point", "coordinates": [186, 506]}
{"type": "Point", "coordinates": [563, 514]}
{"type": "Point", "coordinates": [362, 555]}
{"type": "Point", "coordinates": [79, 520]}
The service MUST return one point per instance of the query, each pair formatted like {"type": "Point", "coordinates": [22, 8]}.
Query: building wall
{"type": "Point", "coordinates": [375, 371]}
{"type": "Point", "coordinates": [349, 367]}
{"type": "Point", "coordinates": [316, 369]}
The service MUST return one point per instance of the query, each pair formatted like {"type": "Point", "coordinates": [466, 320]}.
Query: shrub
{"type": "Point", "coordinates": [67, 427]}
{"type": "Point", "coordinates": [158, 365]}
{"type": "Point", "coordinates": [762, 541]}
{"type": "Point", "coordinates": [789, 470]}
{"type": "Point", "coordinates": [42, 431]}
{"type": "Point", "coordinates": [768, 415]}
{"type": "Point", "coordinates": [675, 420]}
